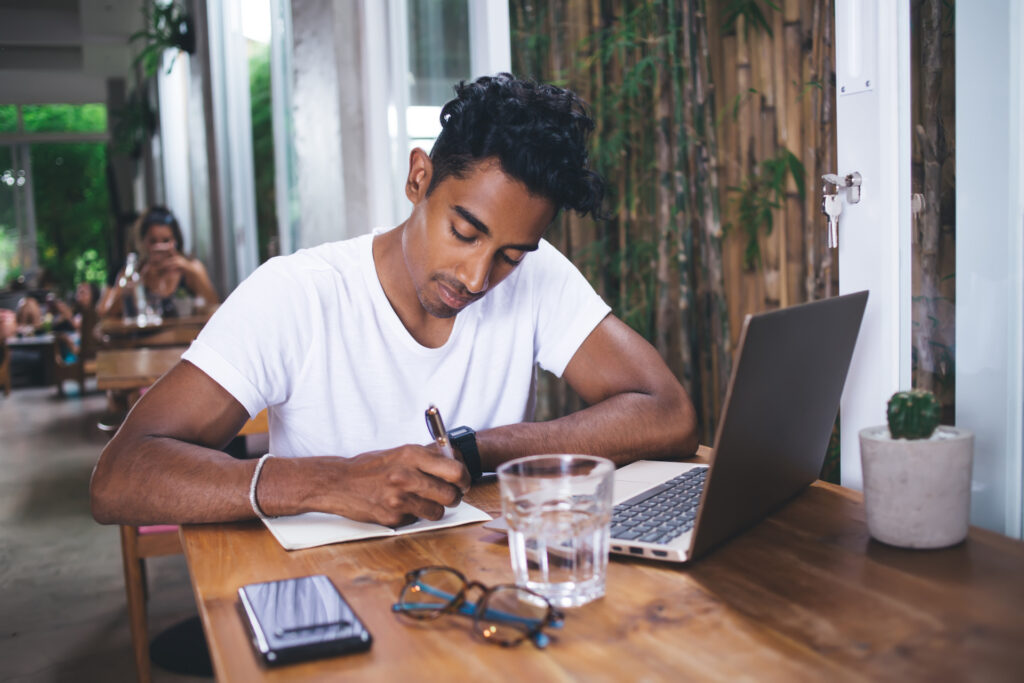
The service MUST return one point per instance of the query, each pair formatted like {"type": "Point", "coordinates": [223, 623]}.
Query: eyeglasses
{"type": "Point", "coordinates": [505, 614]}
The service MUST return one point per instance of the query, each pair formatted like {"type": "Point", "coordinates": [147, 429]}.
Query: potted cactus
{"type": "Point", "coordinates": [917, 475]}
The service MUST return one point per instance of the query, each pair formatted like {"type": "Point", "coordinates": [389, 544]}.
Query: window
{"type": "Point", "coordinates": [54, 208]}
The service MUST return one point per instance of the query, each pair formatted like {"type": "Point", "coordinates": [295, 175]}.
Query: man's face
{"type": "Point", "coordinates": [469, 234]}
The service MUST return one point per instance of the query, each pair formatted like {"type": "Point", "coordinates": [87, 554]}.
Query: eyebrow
{"type": "Point", "coordinates": [482, 227]}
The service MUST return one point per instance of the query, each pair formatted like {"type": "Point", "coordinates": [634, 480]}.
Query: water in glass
{"type": "Point", "coordinates": [560, 548]}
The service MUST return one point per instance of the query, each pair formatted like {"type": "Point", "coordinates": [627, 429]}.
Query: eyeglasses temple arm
{"type": "Point", "coordinates": [469, 609]}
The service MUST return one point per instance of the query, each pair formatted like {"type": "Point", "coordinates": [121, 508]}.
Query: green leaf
{"type": "Point", "coordinates": [797, 170]}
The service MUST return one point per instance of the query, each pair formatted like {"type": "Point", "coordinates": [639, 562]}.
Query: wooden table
{"type": "Point", "coordinates": [805, 595]}
{"type": "Point", "coordinates": [126, 371]}
{"type": "Point", "coordinates": [118, 333]}
{"type": "Point", "coordinates": [133, 369]}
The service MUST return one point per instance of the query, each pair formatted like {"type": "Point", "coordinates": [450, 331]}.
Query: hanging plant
{"type": "Point", "coordinates": [170, 27]}
{"type": "Point", "coordinates": [132, 124]}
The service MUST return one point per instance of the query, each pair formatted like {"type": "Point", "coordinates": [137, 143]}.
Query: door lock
{"type": "Point", "coordinates": [851, 181]}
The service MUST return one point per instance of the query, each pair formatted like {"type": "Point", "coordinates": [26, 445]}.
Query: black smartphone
{"type": "Point", "coordinates": [293, 620]}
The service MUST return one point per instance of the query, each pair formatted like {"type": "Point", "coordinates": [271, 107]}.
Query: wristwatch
{"type": "Point", "coordinates": [464, 439]}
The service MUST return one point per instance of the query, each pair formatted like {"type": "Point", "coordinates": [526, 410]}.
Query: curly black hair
{"type": "Point", "coordinates": [537, 132]}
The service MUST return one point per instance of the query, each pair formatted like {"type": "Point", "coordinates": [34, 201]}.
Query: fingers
{"type": "Point", "coordinates": [388, 486]}
{"type": "Point", "coordinates": [422, 481]}
{"type": "Point", "coordinates": [446, 469]}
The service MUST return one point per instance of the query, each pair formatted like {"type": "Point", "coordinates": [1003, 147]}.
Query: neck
{"type": "Point", "coordinates": [393, 273]}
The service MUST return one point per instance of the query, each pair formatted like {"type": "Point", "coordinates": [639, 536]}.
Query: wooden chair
{"type": "Point", "coordinates": [139, 543]}
{"type": "Point", "coordinates": [83, 366]}
{"type": "Point", "coordinates": [5, 367]}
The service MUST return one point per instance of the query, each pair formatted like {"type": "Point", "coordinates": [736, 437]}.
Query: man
{"type": "Point", "coordinates": [348, 343]}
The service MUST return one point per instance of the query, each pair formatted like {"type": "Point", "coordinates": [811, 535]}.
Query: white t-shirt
{"type": "Point", "coordinates": [313, 336]}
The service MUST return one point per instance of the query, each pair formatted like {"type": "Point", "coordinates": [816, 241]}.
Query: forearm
{"type": "Point", "coordinates": [110, 304]}
{"type": "Point", "coordinates": [625, 427]}
{"type": "Point", "coordinates": [159, 480]}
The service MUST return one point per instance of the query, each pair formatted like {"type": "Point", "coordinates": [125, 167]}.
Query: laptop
{"type": "Point", "coordinates": [770, 445]}
{"type": "Point", "coordinates": [775, 426]}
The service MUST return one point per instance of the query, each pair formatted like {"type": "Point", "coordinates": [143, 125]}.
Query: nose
{"type": "Point", "coordinates": [477, 273]}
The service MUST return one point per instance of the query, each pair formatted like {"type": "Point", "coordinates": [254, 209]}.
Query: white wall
{"type": "Point", "coordinates": [174, 107]}
{"type": "Point", "coordinates": [317, 116]}
{"type": "Point", "coordinates": [989, 224]}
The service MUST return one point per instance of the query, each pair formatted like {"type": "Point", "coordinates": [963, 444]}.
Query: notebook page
{"type": "Point", "coordinates": [319, 528]}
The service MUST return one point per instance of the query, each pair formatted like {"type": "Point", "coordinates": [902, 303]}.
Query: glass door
{"type": "Point", "coordinates": [929, 104]}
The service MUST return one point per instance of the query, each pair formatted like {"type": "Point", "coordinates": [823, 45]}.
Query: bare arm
{"type": "Point", "coordinates": [198, 281]}
{"type": "Point", "coordinates": [109, 304]}
{"type": "Point", "coordinates": [637, 408]}
{"type": "Point", "coordinates": [164, 466]}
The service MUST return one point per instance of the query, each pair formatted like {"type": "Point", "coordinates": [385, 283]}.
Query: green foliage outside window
{"type": "Point", "coordinates": [72, 209]}
{"type": "Point", "coordinates": [8, 118]}
{"type": "Point", "coordinates": [91, 267]}
{"type": "Point", "coordinates": [52, 118]}
{"type": "Point", "coordinates": [8, 249]}
{"type": "Point", "coordinates": [263, 150]}
{"type": "Point", "coordinates": [69, 185]}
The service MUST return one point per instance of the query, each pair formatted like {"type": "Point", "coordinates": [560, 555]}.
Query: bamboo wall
{"type": "Point", "coordinates": [781, 88]}
{"type": "Point", "coordinates": [692, 103]}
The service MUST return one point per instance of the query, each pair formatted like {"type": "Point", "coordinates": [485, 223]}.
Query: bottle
{"type": "Point", "coordinates": [133, 299]}
{"type": "Point", "coordinates": [141, 304]}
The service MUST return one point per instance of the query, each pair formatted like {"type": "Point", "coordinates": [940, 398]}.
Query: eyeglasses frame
{"type": "Point", "coordinates": [458, 604]}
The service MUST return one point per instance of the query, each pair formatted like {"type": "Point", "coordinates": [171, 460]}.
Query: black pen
{"type": "Point", "coordinates": [437, 431]}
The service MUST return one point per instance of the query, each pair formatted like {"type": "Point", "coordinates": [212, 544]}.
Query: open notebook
{"type": "Point", "coordinates": [319, 528]}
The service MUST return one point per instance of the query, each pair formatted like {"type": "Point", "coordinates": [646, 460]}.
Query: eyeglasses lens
{"type": "Point", "coordinates": [508, 614]}
{"type": "Point", "coordinates": [428, 594]}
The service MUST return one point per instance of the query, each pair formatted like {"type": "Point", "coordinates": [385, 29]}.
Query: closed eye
{"type": "Point", "coordinates": [511, 261]}
{"type": "Point", "coordinates": [459, 236]}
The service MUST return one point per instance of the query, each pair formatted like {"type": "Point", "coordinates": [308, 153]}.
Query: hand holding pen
{"type": "Point", "coordinates": [437, 431]}
{"type": "Point", "coordinates": [439, 434]}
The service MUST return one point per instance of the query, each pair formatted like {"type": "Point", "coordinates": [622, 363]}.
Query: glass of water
{"type": "Point", "coordinates": [558, 509]}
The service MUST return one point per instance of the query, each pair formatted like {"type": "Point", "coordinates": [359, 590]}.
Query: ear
{"type": "Point", "coordinates": [420, 172]}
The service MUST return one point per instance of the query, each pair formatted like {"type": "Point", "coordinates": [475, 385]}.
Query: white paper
{"type": "Point", "coordinates": [319, 528]}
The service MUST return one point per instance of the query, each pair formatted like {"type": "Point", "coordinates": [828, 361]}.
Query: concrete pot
{"type": "Point", "coordinates": [917, 493]}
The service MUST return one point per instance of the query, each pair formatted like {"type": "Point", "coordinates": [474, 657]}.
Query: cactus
{"type": "Point", "coordinates": [913, 414]}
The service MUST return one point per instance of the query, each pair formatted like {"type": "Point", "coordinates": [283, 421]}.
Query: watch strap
{"type": "Point", "coordinates": [464, 438]}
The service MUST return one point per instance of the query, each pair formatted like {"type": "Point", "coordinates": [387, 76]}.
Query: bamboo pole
{"type": "Point", "coordinates": [712, 225]}
{"type": "Point", "coordinates": [665, 322]}
{"type": "Point", "coordinates": [781, 104]}
{"type": "Point", "coordinates": [809, 154]}
{"type": "Point", "coordinates": [929, 218]}
{"type": "Point", "coordinates": [826, 147]}
{"type": "Point", "coordinates": [793, 142]}
{"type": "Point", "coordinates": [681, 140]}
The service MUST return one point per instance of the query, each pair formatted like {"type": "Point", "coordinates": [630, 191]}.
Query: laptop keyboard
{"type": "Point", "coordinates": [660, 514]}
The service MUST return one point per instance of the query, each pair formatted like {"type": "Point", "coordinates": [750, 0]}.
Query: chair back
{"type": "Point", "coordinates": [5, 367]}
{"type": "Point", "coordinates": [89, 341]}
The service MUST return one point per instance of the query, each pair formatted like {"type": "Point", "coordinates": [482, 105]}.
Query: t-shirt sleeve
{"type": "Point", "coordinates": [567, 309]}
{"type": "Point", "coordinates": [252, 345]}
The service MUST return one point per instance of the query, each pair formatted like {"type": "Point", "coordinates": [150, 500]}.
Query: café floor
{"type": "Point", "coordinates": [62, 602]}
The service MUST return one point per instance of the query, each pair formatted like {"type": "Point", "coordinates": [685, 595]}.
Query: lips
{"type": "Point", "coordinates": [453, 300]}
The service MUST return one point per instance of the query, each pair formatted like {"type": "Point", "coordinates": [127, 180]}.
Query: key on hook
{"type": "Point", "coordinates": [831, 206]}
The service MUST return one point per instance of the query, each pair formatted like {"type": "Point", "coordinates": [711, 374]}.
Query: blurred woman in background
{"type": "Point", "coordinates": [165, 271]}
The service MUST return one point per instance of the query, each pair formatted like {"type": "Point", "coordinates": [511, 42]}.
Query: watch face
{"type": "Point", "coordinates": [459, 432]}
